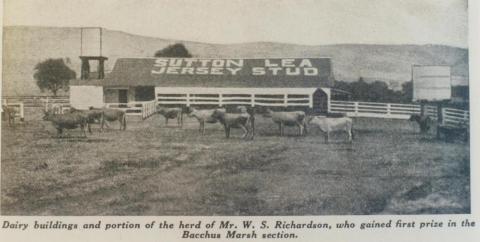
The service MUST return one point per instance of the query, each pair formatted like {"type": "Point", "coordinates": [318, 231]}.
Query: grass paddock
{"type": "Point", "coordinates": [151, 169]}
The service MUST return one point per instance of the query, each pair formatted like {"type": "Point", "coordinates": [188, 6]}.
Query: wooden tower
{"type": "Point", "coordinates": [91, 51]}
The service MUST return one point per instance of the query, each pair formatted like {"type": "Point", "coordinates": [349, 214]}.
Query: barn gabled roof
{"type": "Point", "coordinates": [146, 72]}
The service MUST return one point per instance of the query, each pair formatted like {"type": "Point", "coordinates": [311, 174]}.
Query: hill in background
{"type": "Point", "coordinates": [24, 47]}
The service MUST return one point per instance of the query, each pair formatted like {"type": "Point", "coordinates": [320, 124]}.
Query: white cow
{"type": "Point", "coordinates": [327, 125]}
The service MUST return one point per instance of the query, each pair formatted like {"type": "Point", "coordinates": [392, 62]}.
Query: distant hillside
{"type": "Point", "coordinates": [26, 46]}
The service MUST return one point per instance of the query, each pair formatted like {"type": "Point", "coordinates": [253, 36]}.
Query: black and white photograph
{"type": "Point", "coordinates": [235, 108]}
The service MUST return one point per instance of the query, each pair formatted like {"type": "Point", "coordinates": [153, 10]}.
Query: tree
{"type": "Point", "coordinates": [407, 91]}
{"type": "Point", "coordinates": [175, 50]}
{"type": "Point", "coordinates": [53, 75]}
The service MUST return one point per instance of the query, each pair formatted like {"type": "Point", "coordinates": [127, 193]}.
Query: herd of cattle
{"type": "Point", "coordinates": [243, 118]}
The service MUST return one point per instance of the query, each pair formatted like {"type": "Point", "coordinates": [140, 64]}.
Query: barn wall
{"type": "Point", "coordinates": [83, 97]}
{"type": "Point", "coordinates": [111, 95]}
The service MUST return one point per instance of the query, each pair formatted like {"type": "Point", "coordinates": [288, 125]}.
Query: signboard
{"type": "Point", "coordinates": [91, 42]}
{"type": "Point", "coordinates": [255, 67]}
{"type": "Point", "coordinates": [431, 83]}
{"type": "Point", "coordinates": [222, 72]}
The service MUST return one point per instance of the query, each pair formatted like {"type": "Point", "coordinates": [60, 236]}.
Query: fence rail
{"type": "Point", "coordinates": [142, 109]}
{"type": "Point", "coordinates": [451, 116]}
{"type": "Point", "coordinates": [455, 117]}
{"type": "Point", "coordinates": [36, 101]}
{"type": "Point", "coordinates": [277, 100]}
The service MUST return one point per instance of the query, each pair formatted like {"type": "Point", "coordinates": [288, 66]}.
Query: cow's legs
{"type": "Point", "coordinates": [252, 123]}
{"type": "Point", "coordinates": [82, 128]}
{"type": "Point", "coordinates": [245, 130]}
{"type": "Point", "coordinates": [203, 127]}
{"type": "Point", "coordinates": [181, 119]}
{"type": "Point", "coordinates": [327, 136]}
{"type": "Point", "coordinates": [227, 131]}
{"type": "Point", "coordinates": [300, 129]}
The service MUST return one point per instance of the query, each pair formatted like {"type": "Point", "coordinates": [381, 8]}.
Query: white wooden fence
{"type": "Point", "coordinates": [273, 100]}
{"type": "Point", "coordinates": [451, 116]}
{"type": "Point", "coordinates": [36, 101]}
{"type": "Point", "coordinates": [455, 117]}
{"type": "Point", "coordinates": [142, 109]}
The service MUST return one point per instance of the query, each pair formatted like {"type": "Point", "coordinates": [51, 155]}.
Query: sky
{"type": "Point", "coordinates": [310, 22]}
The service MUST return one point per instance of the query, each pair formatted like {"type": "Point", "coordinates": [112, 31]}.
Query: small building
{"type": "Point", "coordinates": [136, 84]}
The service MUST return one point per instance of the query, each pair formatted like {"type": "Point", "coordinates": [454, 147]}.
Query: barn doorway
{"type": "Point", "coordinates": [320, 102]}
{"type": "Point", "coordinates": [143, 94]}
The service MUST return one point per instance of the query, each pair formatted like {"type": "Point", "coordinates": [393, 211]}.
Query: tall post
{"type": "Point", "coordinates": [101, 69]}
{"type": "Point", "coordinates": [439, 117]}
{"type": "Point", "coordinates": [188, 99]}
{"type": "Point", "coordinates": [422, 108]}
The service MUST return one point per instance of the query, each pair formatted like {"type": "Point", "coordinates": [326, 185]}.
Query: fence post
{"type": "Point", "coordinates": [188, 99]}
{"type": "Point", "coordinates": [285, 100]}
{"type": "Point", "coordinates": [329, 105]}
{"type": "Point", "coordinates": [22, 113]}
{"type": "Point", "coordinates": [46, 104]}
{"type": "Point", "coordinates": [356, 108]}
{"type": "Point", "coordinates": [389, 107]}
{"type": "Point", "coordinates": [310, 102]}
{"type": "Point", "coordinates": [220, 100]}
{"type": "Point", "coordinates": [440, 118]}
{"type": "Point", "coordinates": [252, 100]}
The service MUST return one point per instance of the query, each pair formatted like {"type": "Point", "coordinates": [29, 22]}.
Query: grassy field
{"type": "Point", "coordinates": [150, 169]}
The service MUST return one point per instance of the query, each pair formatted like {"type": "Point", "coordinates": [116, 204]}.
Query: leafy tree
{"type": "Point", "coordinates": [377, 91]}
{"type": "Point", "coordinates": [175, 50]}
{"type": "Point", "coordinates": [407, 91]}
{"type": "Point", "coordinates": [53, 75]}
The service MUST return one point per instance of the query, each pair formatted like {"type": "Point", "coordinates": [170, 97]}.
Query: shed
{"type": "Point", "coordinates": [282, 82]}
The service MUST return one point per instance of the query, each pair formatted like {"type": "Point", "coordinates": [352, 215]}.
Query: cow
{"type": "Point", "coordinates": [92, 116]}
{"type": "Point", "coordinates": [424, 121]}
{"type": "Point", "coordinates": [171, 113]}
{"type": "Point", "coordinates": [10, 114]}
{"type": "Point", "coordinates": [234, 120]}
{"type": "Point", "coordinates": [111, 115]}
{"type": "Point", "coordinates": [328, 125]}
{"type": "Point", "coordinates": [290, 118]}
{"type": "Point", "coordinates": [66, 121]}
{"type": "Point", "coordinates": [204, 116]}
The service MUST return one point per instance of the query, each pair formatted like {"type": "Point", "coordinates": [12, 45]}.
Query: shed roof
{"type": "Point", "coordinates": [228, 73]}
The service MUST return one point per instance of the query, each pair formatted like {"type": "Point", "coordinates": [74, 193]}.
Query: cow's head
{"type": "Point", "coordinates": [268, 113]}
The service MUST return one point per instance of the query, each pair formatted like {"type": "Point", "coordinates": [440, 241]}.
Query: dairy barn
{"type": "Point", "coordinates": [138, 85]}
